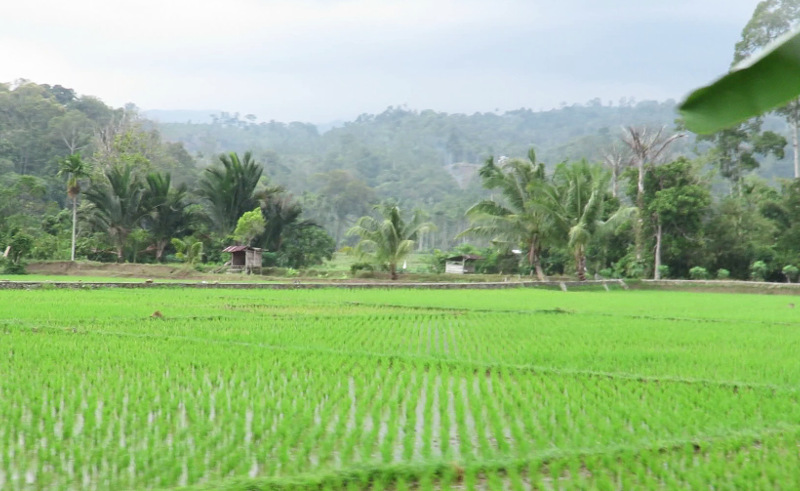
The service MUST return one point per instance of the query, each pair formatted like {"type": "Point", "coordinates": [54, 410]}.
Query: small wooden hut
{"type": "Point", "coordinates": [244, 259]}
{"type": "Point", "coordinates": [462, 264]}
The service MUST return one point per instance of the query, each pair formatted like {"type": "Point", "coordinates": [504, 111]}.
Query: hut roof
{"type": "Point", "coordinates": [240, 248]}
{"type": "Point", "coordinates": [465, 257]}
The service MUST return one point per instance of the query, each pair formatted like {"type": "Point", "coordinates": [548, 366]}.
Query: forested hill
{"type": "Point", "coordinates": [411, 155]}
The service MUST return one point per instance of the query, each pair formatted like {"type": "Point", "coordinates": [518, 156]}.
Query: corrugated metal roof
{"type": "Point", "coordinates": [240, 248]}
{"type": "Point", "coordinates": [468, 257]}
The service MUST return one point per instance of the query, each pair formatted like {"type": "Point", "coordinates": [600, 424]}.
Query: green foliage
{"type": "Point", "coordinates": [167, 210]}
{"type": "Point", "coordinates": [676, 200]}
{"type": "Point", "coordinates": [698, 273]}
{"type": "Point", "coordinates": [305, 245]}
{"type": "Point", "coordinates": [664, 271]}
{"type": "Point", "coordinates": [250, 225]}
{"type": "Point", "coordinates": [578, 207]}
{"type": "Point", "coordinates": [357, 267]}
{"type": "Point", "coordinates": [19, 246]}
{"type": "Point", "coordinates": [516, 220]}
{"type": "Point", "coordinates": [758, 271]}
{"type": "Point", "coordinates": [189, 250]}
{"type": "Point", "coordinates": [118, 204]}
{"type": "Point", "coordinates": [387, 240]}
{"type": "Point", "coordinates": [759, 81]}
{"type": "Point", "coordinates": [790, 272]}
{"type": "Point", "coordinates": [229, 189]}
{"type": "Point", "coordinates": [723, 274]}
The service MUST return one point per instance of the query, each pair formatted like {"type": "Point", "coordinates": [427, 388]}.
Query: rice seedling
{"type": "Point", "coordinates": [333, 389]}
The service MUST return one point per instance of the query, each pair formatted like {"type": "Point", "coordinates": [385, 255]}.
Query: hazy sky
{"type": "Point", "coordinates": [322, 60]}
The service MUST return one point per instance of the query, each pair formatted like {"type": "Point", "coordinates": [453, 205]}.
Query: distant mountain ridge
{"type": "Point", "coordinates": [194, 116]}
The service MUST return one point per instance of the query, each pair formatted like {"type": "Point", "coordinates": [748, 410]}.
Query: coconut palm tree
{"type": "Point", "coordinates": [515, 220]}
{"type": "Point", "coordinates": [579, 209]}
{"type": "Point", "coordinates": [389, 239]}
{"type": "Point", "coordinates": [230, 189]}
{"type": "Point", "coordinates": [75, 169]}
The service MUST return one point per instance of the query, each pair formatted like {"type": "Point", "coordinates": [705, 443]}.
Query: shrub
{"type": "Point", "coordinates": [698, 273]}
{"type": "Point", "coordinates": [10, 267]}
{"type": "Point", "coordinates": [790, 272]}
{"type": "Point", "coordinates": [723, 274]}
{"type": "Point", "coordinates": [357, 267]}
{"type": "Point", "coordinates": [663, 271]}
{"type": "Point", "coordinates": [758, 271]}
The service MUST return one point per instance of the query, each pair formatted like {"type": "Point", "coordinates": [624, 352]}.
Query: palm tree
{"type": "Point", "coordinates": [388, 240]}
{"type": "Point", "coordinates": [580, 205]}
{"type": "Point", "coordinates": [280, 213]}
{"type": "Point", "coordinates": [230, 189]}
{"type": "Point", "coordinates": [118, 204]}
{"type": "Point", "coordinates": [75, 168]}
{"type": "Point", "coordinates": [169, 214]}
{"type": "Point", "coordinates": [517, 220]}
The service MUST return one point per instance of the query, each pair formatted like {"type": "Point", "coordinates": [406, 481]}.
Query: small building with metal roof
{"type": "Point", "coordinates": [462, 264]}
{"type": "Point", "coordinates": [244, 259]}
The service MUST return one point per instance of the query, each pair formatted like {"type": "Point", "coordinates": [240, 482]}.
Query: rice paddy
{"type": "Point", "coordinates": [397, 389]}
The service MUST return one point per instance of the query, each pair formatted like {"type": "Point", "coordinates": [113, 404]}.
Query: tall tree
{"type": "Point", "coordinates": [581, 191]}
{"type": "Point", "coordinates": [117, 204]}
{"type": "Point", "coordinates": [676, 201]}
{"type": "Point", "coordinates": [389, 239]}
{"type": "Point", "coordinates": [169, 214]}
{"type": "Point", "coordinates": [648, 147]}
{"type": "Point", "coordinates": [280, 212]}
{"type": "Point", "coordinates": [229, 189]}
{"type": "Point", "coordinates": [771, 19]}
{"type": "Point", "coordinates": [75, 169]}
{"type": "Point", "coordinates": [736, 150]}
{"type": "Point", "coordinates": [514, 220]}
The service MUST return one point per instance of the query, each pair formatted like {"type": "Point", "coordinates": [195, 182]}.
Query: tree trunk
{"type": "Point", "coordinates": [614, 180]}
{"type": "Point", "coordinates": [639, 224]}
{"type": "Point", "coordinates": [393, 270]}
{"type": "Point", "coordinates": [796, 149]}
{"type": "Point", "coordinates": [580, 264]}
{"type": "Point", "coordinates": [160, 246]}
{"type": "Point", "coordinates": [122, 237]}
{"type": "Point", "coordinates": [74, 224]}
{"type": "Point", "coordinates": [657, 264]}
{"type": "Point", "coordinates": [533, 259]}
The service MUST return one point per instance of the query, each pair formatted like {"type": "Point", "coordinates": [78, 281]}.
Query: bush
{"type": "Point", "coordinates": [10, 267]}
{"type": "Point", "coordinates": [698, 273]}
{"type": "Point", "coordinates": [758, 271]}
{"type": "Point", "coordinates": [723, 274]}
{"type": "Point", "coordinates": [606, 273]}
{"type": "Point", "coordinates": [790, 272]}
{"type": "Point", "coordinates": [358, 267]}
{"type": "Point", "coordinates": [663, 271]}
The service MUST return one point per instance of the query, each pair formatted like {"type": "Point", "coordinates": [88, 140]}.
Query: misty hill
{"type": "Point", "coordinates": [181, 115]}
{"type": "Point", "coordinates": [417, 155]}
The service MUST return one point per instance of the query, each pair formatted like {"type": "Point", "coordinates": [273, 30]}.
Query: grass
{"type": "Point", "coordinates": [347, 389]}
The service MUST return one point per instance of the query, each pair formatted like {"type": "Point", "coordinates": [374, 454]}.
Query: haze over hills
{"type": "Point", "coordinates": [181, 115]}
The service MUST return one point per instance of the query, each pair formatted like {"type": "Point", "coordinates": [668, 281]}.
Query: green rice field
{"type": "Point", "coordinates": [152, 388]}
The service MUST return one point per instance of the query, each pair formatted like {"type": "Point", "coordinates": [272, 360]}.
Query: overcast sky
{"type": "Point", "coordinates": [325, 60]}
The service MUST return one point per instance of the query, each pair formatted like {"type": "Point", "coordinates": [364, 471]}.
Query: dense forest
{"type": "Point", "coordinates": [611, 189]}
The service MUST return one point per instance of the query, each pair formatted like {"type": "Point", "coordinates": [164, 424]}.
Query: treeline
{"type": "Point", "coordinates": [651, 200]}
{"type": "Point", "coordinates": [79, 179]}
{"type": "Point", "coordinates": [570, 222]}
